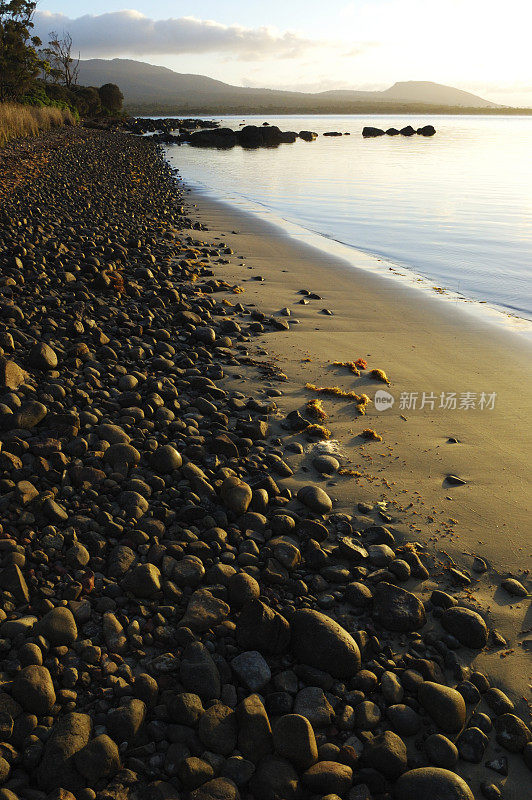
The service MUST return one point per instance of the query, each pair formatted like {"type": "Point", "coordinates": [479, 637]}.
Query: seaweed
{"type": "Point", "coordinates": [360, 363]}
{"type": "Point", "coordinates": [315, 410]}
{"type": "Point", "coordinates": [379, 375]}
{"type": "Point", "coordinates": [371, 435]}
{"type": "Point", "coordinates": [318, 431]}
{"type": "Point", "coordinates": [350, 365]}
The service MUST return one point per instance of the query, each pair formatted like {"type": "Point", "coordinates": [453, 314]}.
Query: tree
{"type": "Point", "coordinates": [111, 98]}
{"type": "Point", "coordinates": [87, 100]}
{"type": "Point", "coordinates": [20, 62]}
{"type": "Point", "coordinates": [63, 67]}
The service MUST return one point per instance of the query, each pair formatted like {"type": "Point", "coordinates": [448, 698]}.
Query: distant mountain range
{"type": "Point", "coordinates": [150, 89]}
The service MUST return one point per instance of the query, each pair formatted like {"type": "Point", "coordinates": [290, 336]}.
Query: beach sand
{"type": "Point", "coordinates": [424, 343]}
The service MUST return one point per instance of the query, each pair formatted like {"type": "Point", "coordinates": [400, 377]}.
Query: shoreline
{"type": "Point", "coordinates": [358, 258]}
{"type": "Point", "coordinates": [189, 593]}
{"type": "Point", "coordinates": [447, 349]}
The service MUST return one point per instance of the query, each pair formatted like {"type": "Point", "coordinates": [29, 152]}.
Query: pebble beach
{"type": "Point", "coordinates": [224, 573]}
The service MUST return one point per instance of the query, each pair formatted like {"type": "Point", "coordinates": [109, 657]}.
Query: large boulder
{"type": "Point", "coordinates": [58, 626]}
{"type": "Point", "coordinates": [319, 641]}
{"type": "Point", "coordinates": [68, 736]}
{"type": "Point", "coordinates": [432, 783]}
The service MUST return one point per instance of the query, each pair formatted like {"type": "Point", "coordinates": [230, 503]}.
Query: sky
{"type": "Point", "coordinates": [481, 46]}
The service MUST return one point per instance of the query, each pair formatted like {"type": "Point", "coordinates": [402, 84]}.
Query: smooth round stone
{"type": "Point", "coordinates": [319, 641]}
{"type": "Point", "coordinates": [315, 498]}
{"type": "Point", "coordinates": [293, 738]}
{"type": "Point", "coordinates": [441, 752]}
{"type": "Point", "coordinates": [472, 744]}
{"type": "Point", "coordinates": [467, 626]}
{"type": "Point", "coordinates": [367, 715]}
{"type": "Point", "coordinates": [326, 465]}
{"type": "Point", "coordinates": [404, 719]}
{"type": "Point", "coordinates": [432, 783]}
{"type": "Point", "coordinates": [512, 733]}
{"type": "Point", "coordinates": [446, 706]}
{"type": "Point", "coordinates": [166, 459]}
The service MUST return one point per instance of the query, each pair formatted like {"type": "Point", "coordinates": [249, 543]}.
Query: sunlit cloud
{"type": "Point", "coordinates": [131, 33]}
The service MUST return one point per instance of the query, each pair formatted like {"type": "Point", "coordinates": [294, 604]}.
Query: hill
{"type": "Point", "coordinates": [151, 89]}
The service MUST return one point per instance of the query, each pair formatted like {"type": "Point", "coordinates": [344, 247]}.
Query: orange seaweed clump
{"type": "Point", "coordinates": [371, 435]}
{"type": "Point", "coordinates": [334, 391]}
{"type": "Point", "coordinates": [350, 365]}
{"type": "Point", "coordinates": [360, 363]}
{"type": "Point", "coordinates": [379, 375]}
{"type": "Point", "coordinates": [353, 473]}
{"type": "Point", "coordinates": [316, 411]}
{"type": "Point", "coordinates": [237, 289]}
{"type": "Point", "coordinates": [318, 431]}
{"type": "Point", "coordinates": [362, 403]}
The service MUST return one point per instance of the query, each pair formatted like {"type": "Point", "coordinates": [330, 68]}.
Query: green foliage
{"type": "Point", "coordinates": [20, 62]}
{"type": "Point", "coordinates": [111, 98]}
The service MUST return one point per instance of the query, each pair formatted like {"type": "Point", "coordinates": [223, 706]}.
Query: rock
{"type": "Point", "coordinates": [122, 454]}
{"type": "Point", "coordinates": [441, 752]}
{"type": "Point", "coordinates": [98, 759]}
{"type": "Point", "coordinates": [30, 415]}
{"type": "Point", "coordinates": [275, 778]}
{"type": "Point", "coordinates": [186, 709]}
{"type": "Point", "coordinates": [387, 754]}
{"type": "Point", "coordinates": [472, 744]}
{"type": "Point", "coordinates": [193, 772]}
{"type": "Point", "coordinates": [396, 609]}
{"type": "Point", "coordinates": [58, 626]}
{"type": "Point", "coordinates": [254, 731]}
{"type": "Point", "coordinates": [407, 131]}
{"type": "Point", "coordinates": [236, 495]}
{"type": "Point", "coordinates": [312, 703]}
{"type": "Point", "coordinates": [67, 737]}
{"type": "Point", "coordinates": [433, 783]}
{"type": "Point", "coordinates": [113, 434]}
{"type": "Point", "coordinates": [166, 459]}
{"type": "Point", "coordinates": [12, 580]}
{"type": "Point", "coordinates": [320, 642]}
{"type": "Point", "coordinates": [198, 672]}
{"type": "Point", "coordinates": [367, 715]}
{"type": "Point", "coordinates": [467, 626]}
{"type": "Point", "coordinates": [204, 611]}
{"type": "Point", "coordinates": [326, 465]}
{"type": "Point", "coordinates": [293, 739]}
{"type": "Point", "coordinates": [498, 701]}
{"type": "Point", "coordinates": [42, 357]}
{"type": "Point", "coordinates": [512, 733]}
{"type": "Point", "coordinates": [404, 720]}
{"type": "Point", "coordinates": [369, 132]}
{"type": "Point", "coordinates": [315, 498]}
{"type": "Point", "coordinates": [34, 690]}
{"type": "Point", "coordinates": [426, 130]}
{"type": "Point", "coordinates": [144, 580]}
{"type": "Point", "coordinates": [514, 587]}
{"type": "Point", "coordinates": [252, 670]}
{"type": "Point", "coordinates": [446, 706]}
{"type": "Point", "coordinates": [261, 628]}
{"type": "Point", "coordinates": [124, 722]}
{"type": "Point", "coordinates": [243, 588]}
{"type": "Point", "coordinates": [218, 729]}
{"type": "Point", "coordinates": [328, 777]}
{"type": "Point", "coordinates": [216, 789]}
{"type": "Point", "coordinates": [11, 375]}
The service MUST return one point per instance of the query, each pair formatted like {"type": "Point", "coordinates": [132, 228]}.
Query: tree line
{"type": "Point", "coordinates": [37, 74]}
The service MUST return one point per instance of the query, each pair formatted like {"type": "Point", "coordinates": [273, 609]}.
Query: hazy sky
{"type": "Point", "coordinates": [478, 45]}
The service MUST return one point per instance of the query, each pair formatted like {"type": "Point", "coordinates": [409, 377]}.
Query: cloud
{"type": "Point", "coordinates": [129, 32]}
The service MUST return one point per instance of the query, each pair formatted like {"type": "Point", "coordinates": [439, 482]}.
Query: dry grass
{"type": "Point", "coordinates": [18, 121]}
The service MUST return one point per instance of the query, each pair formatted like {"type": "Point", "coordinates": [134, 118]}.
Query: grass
{"type": "Point", "coordinates": [17, 121]}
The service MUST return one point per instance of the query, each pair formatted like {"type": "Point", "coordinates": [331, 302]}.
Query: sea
{"type": "Point", "coordinates": [454, 209]}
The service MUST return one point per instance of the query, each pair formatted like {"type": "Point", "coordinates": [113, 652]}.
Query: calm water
{"type": "Point", "coordinates": [455, 208]}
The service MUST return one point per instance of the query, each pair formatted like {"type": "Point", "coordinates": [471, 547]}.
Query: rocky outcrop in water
{"type": "Point", "coordinates": [369, 132]}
